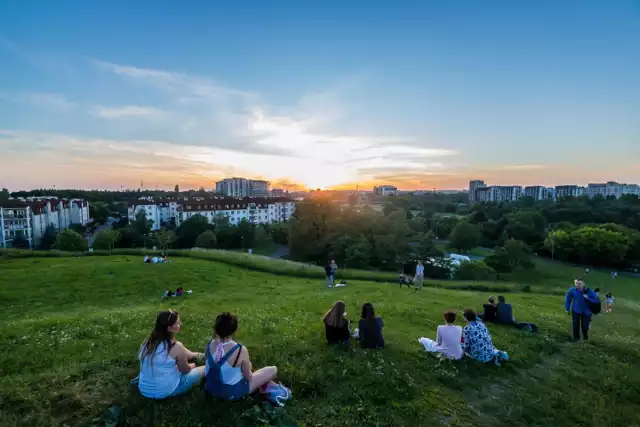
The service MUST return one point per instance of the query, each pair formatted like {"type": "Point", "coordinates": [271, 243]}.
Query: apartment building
{"type": "Point", "coordinates": [612, 189]}
{"type": "Point", "coordinates": [539, 192]}
{"type": "Point", "coordinates": [254, 210]}
{"type": "Point", "coordinates": [385, 190]}
{"type": "Point", "coordinates": [159, 212]}
{"type": "Point", "coordinates": [569, 191]}
{"type": "Point", "coordinates": [15, 219]}
{"type": "Point", "coordinates": [242, 187]}
{"type": "Point", "coordinates": [474, 186]}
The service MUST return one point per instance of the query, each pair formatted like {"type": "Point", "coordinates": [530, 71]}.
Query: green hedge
{"type": "Point", "coordinates": [274, 266]}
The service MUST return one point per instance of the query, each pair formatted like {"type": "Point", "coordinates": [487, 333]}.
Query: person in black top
{"type": "Point", "coordinates": [504, 312]}
{"type": "Point", "coordinates": [336, 325]}
{"type": "Point", "coordinates": [370, 328]}
{"type": "Point", "coordinates": [328, 269]}
{"type": "Point", "coordinates": [489, 314]}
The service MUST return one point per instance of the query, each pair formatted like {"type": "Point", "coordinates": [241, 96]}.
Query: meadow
{"type": "Point", "coordinates": [72, 327]}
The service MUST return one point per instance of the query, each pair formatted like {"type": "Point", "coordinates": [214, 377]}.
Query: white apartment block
{"type": "Point", "coordinates": [15, 218]}
{"type": "Point", "coordinates": [160, 212]}
{"type": "Point", "coordinates": [569, 191]}
{"type": "Point", "coordinates": [256, 211]}
{"type": "Point", "coordinates": [498, 193]}
{"type": "Point", "coordinates": [242, 187]}
{"type": "Point", "coordinates": [539, 192]}
{"type": "Point", "coordinates": [473, 188]}
{"type": "Point", "coordinates": [612, 189]}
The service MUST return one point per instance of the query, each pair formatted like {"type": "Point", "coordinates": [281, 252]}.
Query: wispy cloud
{"type": "Point", "coordinates": [127, 111]}
{"type": "Point", "coordinates": [54, 101]}
{"type": "Point", "coordinates": [522, 167]}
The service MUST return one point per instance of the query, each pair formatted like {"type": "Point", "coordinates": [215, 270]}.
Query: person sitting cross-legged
{"type": "Point", "coordinates": [228, 370]}
{"type": "Point", "coordinates": [477, 340]}
{"type": "Point", "coordinates": [448, 338]}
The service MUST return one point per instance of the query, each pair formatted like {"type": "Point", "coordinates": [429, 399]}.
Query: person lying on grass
{"type": "Point", "coordinates": [336, 324]}
{"type": "Point", "coordinates": [448, 338]}
{"type": "Point", "coordinates": [228, 369]}
{"type": "Point", "coordinates": [370, 328]}
{"type": "Point", "coordinates": [477, 340]}
{"type": "Point", "coordinates": [165, 370]}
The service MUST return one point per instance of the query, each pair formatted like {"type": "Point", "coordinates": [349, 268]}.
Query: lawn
{"type": "Point", "coordinates": [72, 327]}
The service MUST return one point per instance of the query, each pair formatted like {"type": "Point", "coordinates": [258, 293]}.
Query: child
{"type": "Point", "coordinates": [165, 370]}
{"type": "Point", "coordinates": [449, 337]}
{"type": "Point", "coordinates": [609, 300]}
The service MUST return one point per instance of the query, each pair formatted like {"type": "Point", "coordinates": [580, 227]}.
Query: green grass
{"type": "Point", "coordinates": [72, 326]}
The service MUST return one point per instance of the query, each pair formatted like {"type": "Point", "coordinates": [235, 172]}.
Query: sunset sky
{"type": "Point", "coordinates": [420, 94]}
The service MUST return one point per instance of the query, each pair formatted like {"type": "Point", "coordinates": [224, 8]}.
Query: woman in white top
{"type": "Point", "coordinates": [448, 338]}
{"type": "Point", "coordinates": [228, 370]}
{"type": "Point", "coordinates": [164, 362]}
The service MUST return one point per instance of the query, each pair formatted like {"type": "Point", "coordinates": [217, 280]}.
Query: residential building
{"type": "Point", "coordinates": [242, 187]}
{"type": "Point", "coordinates": [502, 193]}
{"type": "Point", "coordinates": [277, 192]}
{"type": "Point", "coordinates": [569, 191]}
{"type": "Point", "coordinates": [254, 210]}
{"type": "Point", "coordinates": [539, 192]}
{"type": "Point", "coordinates": [80, 212]}
{"type": "Point", "coordinates": [15, 218]}
{"type": "Point", "coordinates": [612, 189]}
{"type": "Point", "coordinates": [473, 188]}
{"type": "Point", "coordinates": [385, 190]}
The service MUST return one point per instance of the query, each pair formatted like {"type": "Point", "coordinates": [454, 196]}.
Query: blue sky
{"type": "Point", "coordinates": [421, 94]}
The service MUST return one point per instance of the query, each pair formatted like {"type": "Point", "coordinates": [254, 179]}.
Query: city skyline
{"type": "Point", "coordinates": [418, 95]}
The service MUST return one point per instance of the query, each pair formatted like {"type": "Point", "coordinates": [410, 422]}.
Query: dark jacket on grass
{"type": "Point", "coordinates": [337, 334]}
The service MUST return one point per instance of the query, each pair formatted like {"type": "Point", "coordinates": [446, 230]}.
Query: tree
{"type": "Point", "coordinates": [389, 209]}
{"type": "Point", "coordinates": [164, 238]}
{"type": "Point", "coordinates": [49, 237]}
{"type": "Point", "coordinates": [464, 237]}
{"type": "Point", "coordinates": [20, 241]}
{"type": "Point", "coordinates": [69, 240]}
{"type": "Point", "coordinates": [99, 212]}
{"type": "Point", "coordinates": [474, 270]}
{"type": "Point", "coordinates": [176, 189]}
{"type": "Point", "coordinates": [206, 240]}
{"type": "Point", "coordinates": [261, 237]}
{"type": "Point", "coordinates": [513, 255]}
{"type": "Point", "coordinates": [106, 239]}
{"type": "Point", "coordinates": [4, 194]}
{"type": "Point", "coordinates": [141, 224]}
{"type": "Point", "coordinates": [189, 230]}
{"type": "Point", "coordinates": [528, 226]}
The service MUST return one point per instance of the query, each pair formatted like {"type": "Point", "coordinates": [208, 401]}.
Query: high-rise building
{"type": "Point", "coordinates": [569, 191]}
{"type": "Point", "coordinates": [385, 190]}
{"type": "Point", "coordinates": [539, 192]}
{"type": "Point", "coordinates": [242, 187]}
{"type": "Point", "coordinates": [473, 188]}
{"type": "Point", "coordinates": [612, 189]}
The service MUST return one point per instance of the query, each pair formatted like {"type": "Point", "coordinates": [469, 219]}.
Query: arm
{"type": "Point", "coordinates": [438, 337]}
{"type": "Point", "coordinates": [592, 297]}
{"type": "Point", "coordinates": [190, 354]}
{"type": "Point", "coordinates": [180, 355]}
{"type": "Point", "coordinates": [568, 299]}
{"type": "Point", "coordinates": [245, 364]}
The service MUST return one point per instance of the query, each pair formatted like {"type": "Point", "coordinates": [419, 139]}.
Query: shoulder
{"type": "Point", "coordinates": [177, 348]}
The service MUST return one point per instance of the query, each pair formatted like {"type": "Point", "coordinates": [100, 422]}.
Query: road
{"type": "Point", "coordinates": [106, 226]}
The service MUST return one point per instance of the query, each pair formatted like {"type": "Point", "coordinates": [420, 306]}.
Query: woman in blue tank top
{"type": "Point", "coordinates": [228, 369]}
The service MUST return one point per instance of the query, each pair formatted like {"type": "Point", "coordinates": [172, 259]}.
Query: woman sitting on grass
{"type": "Point", "coordinates": [448, 338]}
{"type": "Point", "coordinates": [164, 362]}
{"type": "Point", "coordinates": [370, 328]}
{"type": "Point", "coordinates": [477, 341]}
{"type": "Point", "coordinates": [229, 371]}
{"type": "Point", "coordinates": [336, 325]}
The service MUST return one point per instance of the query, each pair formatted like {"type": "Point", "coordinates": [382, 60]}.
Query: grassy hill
{"type": "Point", "coordinates": [72, 328]}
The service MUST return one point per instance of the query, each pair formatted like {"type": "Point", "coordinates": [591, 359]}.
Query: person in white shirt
{"type": "Point", "coordinates": [448, 338]}
{"type": "Point", "coordinates": [165, 370]}
{"type": "Point", "coordinates": [419, 278]}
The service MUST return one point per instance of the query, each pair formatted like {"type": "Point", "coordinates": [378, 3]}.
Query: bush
{"type": "Point", "coordinates": [474, 270]}
{"type": "Point", "coordinates": [69, 240]}
{"type": "Point", "coordinates": [206, 240]}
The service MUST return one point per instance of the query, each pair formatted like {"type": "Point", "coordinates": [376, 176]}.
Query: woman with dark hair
{"type": "Point", "coordinates": [370, 328]}
{"type": "Point", "coordinates": [448, 338]}
{"type": "Point", "coordinates": [336, 324]}
{"type": "Point", "coordinates": [228, 370]}
{"type": "Point", "coordinates": [164, 362]}
{"type": "Point", "coordinates": [477, 340]}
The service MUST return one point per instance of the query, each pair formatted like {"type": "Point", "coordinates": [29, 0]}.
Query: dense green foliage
{"type": "Point", "coordinates": [106, 239]}
{"type": "Point", "coordinates": [69, 240]}
{"type": "Point", "coordinates": [206, 240]}
{"type": "Point", "coordinates": [464, 237]}
{"type": "Point", "coordinates": [48, 239]}
{"type": "Point", "coordinates": [70, 345]}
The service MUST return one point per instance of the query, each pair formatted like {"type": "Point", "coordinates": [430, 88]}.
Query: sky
{"type": "Point", "coordinates": [318, 94]}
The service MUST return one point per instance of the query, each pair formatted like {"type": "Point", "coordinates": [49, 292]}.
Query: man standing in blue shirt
{"type": "Point", "coordinates": [577, 303]}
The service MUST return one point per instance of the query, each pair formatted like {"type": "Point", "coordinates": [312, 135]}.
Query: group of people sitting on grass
{"type": "Point", "coordinates": [338, 327]}
{"type": "Point", "coordinates": [155, 259]}
{"type": "Point", "coordinates": [168, 368]}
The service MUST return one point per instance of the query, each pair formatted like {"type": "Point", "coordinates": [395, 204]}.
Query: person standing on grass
{"type": "Point", "coordinates": [576, 303]}
{"type": "Point", "coordinates": [370, 328]}
{"type": "Point", "coordinates": [334, 268]}
{"type": "Point", "coordinates": [609, 301]}
{"type": "Point", "coordinates": [418, 281]}
{"type": "Point", "coordinates": [329, 272]}
{"type": "Point", "coordinates": [165, 370]}
{"type": "Point", "coordinates": [228, 369]}
{"type": "Point", "coordinates": [336, 324]}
